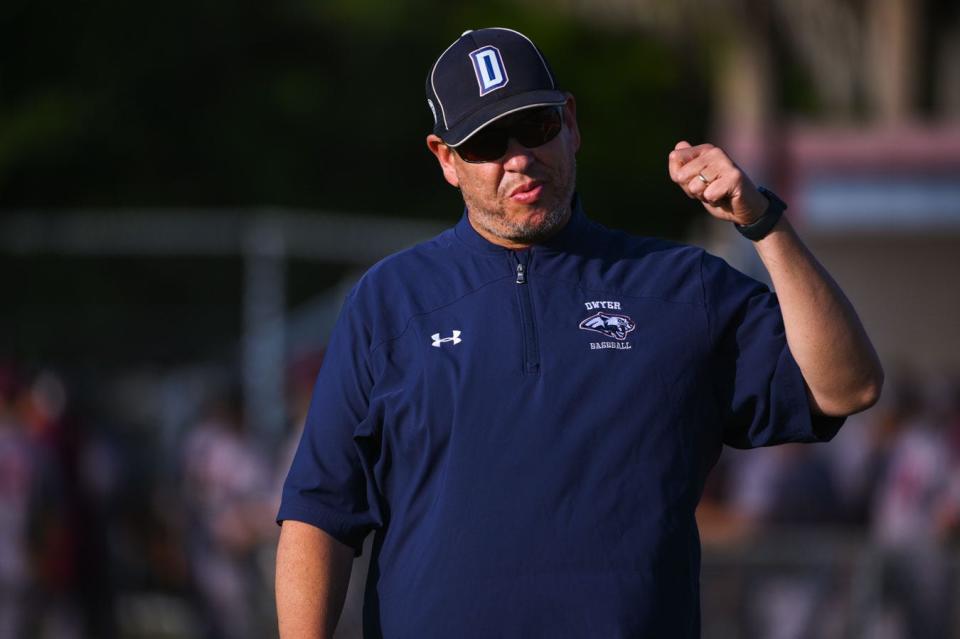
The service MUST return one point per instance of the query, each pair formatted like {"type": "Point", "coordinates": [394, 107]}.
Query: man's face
{"type": "Point", "coordinates": [522, 197]}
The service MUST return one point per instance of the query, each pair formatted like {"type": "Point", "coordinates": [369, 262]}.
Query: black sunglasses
{"type": "Point", "coordinates": [531, 128]}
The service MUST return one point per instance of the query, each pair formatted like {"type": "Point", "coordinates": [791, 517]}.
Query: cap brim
{"type": "Point", "coordinates": [474, 122]}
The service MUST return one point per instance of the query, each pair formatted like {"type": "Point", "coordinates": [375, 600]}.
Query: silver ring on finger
{"type": "Point", "coordinates": [703, 178]}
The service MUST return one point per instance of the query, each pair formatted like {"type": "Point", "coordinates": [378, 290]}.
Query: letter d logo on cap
{"type": "Point", "coordinates": [488, 65]}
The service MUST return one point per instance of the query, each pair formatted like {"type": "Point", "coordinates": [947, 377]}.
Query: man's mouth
{"type": "Point", "coordinates": [527, 193]}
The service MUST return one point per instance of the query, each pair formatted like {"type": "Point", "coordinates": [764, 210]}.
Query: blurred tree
{"type": "Point", "coordinates": [308, 103]}
{"type": "Point", "coordinates": [314, 104]}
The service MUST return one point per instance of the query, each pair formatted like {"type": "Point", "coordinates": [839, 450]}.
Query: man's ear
{"type": "Point", "coordinates": [570, 119]}
{"type": "Point", "coordinates": [445, 156]}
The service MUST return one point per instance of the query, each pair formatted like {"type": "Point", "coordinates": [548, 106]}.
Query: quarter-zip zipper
{"type": "Point", "coordinates": [531, 348]}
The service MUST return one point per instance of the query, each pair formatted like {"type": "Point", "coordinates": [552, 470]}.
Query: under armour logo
{"type": "Point", "coordinates": [437, 340]}
{"type": "Point", "coordinates": [488, 65]}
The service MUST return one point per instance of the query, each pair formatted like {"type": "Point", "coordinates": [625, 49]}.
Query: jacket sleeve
{"type": "Point", "coordinates": [762, 395]}
{"type": "Point", "coordinates": [331, 482]}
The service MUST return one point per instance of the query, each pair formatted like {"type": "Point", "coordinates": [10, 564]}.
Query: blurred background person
{"type": "Point", "coordinates": [18, 468]}
{"type": "Point", "coordinates": [909, 522]}
{"type": "Point", "coordinates": [227, 493]}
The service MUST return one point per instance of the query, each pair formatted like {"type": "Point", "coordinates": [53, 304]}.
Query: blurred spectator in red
{"type": "Point", "coordinates": [948, 516]}
{"type": "Point", "coordinates": [71, 588]}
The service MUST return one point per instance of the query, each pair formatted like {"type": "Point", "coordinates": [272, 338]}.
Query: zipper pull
{"type": "Point", "coordinates": [521, 276]}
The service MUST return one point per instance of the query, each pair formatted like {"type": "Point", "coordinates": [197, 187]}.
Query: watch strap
{"type": "Point", "coordinates": [760, 228]}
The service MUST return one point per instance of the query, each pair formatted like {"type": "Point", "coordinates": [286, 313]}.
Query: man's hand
{"type": "Point", "coordinates": [706, 173]}
{"type": "Point", "coordinates": [839, 365]}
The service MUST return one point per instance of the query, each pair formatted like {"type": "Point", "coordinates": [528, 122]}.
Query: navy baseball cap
{"type": "Point", "coordinates": [483, 76]}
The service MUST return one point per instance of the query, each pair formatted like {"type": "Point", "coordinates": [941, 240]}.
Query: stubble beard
{"type": "Point", "coordinates": [499, 223]}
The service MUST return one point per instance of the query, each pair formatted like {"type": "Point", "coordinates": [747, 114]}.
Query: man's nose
{"type": "Point", "coordinates": [517, 157]}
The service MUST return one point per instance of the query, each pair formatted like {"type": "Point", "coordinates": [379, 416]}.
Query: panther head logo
{"type": "Point", "coordinates": [616, 326]}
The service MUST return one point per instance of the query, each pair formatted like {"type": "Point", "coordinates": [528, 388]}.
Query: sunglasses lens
{"type": "Point", "coordinates": [484, 146]}
{"type": "Point", "coordinates": [538, 129]}
{"type": "Point", "coordinates": [531, 129]}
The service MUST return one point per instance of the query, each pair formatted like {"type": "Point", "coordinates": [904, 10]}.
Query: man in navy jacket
{"type": "Point", "coordinates": [524, 409]}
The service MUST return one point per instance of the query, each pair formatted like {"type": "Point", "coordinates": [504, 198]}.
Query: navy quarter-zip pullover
{"type": "Point", "coordinates": [528, 432]}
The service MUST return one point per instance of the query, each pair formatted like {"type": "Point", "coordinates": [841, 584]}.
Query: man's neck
{"type": "Point", "coordinates": [515, 245]}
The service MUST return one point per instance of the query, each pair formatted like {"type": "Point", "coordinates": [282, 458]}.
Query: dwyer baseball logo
{"type": "Point", "coordinates": [612, 325]}
{"type": "Point", "coordinates": [488, 65]}
{"type": "Point", "coordinates": [437, 340]}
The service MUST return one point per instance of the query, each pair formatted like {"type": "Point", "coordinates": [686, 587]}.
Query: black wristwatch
{"type": "Point", "coordinates": [761, 227]}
